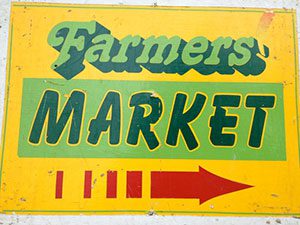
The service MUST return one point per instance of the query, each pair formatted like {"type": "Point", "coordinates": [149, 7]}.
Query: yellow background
{"type": "Point", "coordinates": [28, 184]}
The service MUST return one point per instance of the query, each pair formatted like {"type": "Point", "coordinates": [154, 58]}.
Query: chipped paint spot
{"type": "Point", "coordinates": [154, 95]}
{"type": "Point", "coordinates": [151, 212]}
{"type": "Point", "coordinates": [265, 22]}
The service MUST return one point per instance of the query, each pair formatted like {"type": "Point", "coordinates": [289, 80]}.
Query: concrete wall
{"type": "Point", "coordinates": [137, 220]}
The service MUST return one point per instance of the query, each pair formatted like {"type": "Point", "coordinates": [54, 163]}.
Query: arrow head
{"type": "Point", "coordinates": [211, 185]}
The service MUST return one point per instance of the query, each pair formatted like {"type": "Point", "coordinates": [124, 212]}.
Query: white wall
{"type": "Point", "coordinates": [137, 220]}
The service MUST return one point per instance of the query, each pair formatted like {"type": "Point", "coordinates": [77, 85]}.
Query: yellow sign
{"type": "Point", "coordinates": [165, 110]}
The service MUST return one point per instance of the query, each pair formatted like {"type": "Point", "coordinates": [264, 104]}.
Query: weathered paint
{"type": "Point", "coordinates": [192, 167]}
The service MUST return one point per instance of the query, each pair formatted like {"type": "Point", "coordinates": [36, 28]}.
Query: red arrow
{"type": "Point", "coordinates": [202, 185]}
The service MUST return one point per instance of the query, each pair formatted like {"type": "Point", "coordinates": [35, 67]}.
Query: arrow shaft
{"type": "Point", "coordinates": [175, 184]}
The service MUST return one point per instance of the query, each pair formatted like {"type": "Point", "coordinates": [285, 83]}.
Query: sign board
{"type": "Point", "coordinates": [165, 110]}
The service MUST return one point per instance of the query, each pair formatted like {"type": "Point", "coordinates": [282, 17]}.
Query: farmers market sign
{"type": "Point", "coordinates": [165, 110]}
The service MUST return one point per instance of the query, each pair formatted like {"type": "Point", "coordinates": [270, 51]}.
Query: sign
{"type": "Point", "coordinates": [159, 110]}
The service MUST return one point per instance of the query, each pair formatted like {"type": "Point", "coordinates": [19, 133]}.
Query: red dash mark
{"type": "Point", "coordinates": [87, 184]}
{"type": "Point", "coordinates": [111, 188]}
{"type": "Point", "coordinates": [134, 184]}
{"type": "Point", "coordinates": [59, 184]}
